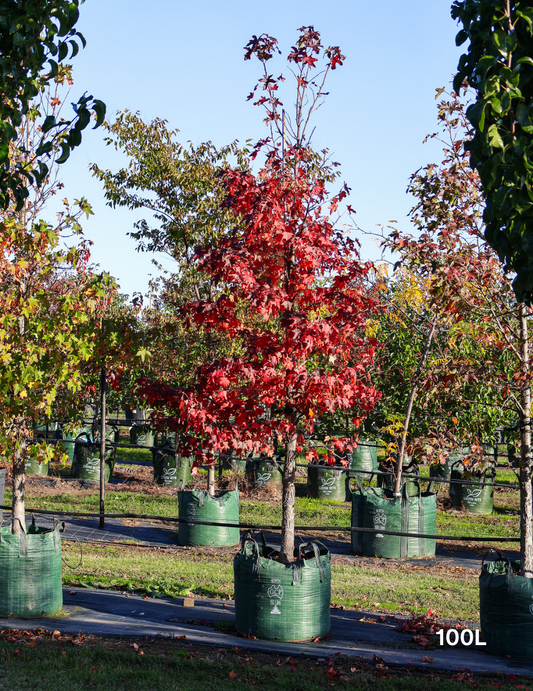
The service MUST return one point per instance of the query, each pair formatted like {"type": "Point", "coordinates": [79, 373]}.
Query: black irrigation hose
{"type": "Point", "coordinates": [251, 526]}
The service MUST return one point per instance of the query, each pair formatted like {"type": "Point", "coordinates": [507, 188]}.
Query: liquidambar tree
{"type": "Point", "coordinates": [293, 290]}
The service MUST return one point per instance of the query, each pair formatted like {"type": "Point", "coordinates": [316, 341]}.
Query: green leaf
{"type": "Point", "coordinates": [74, 138]}
{"type": "Point", "coordinates": [4, 151]}
{"type": "Point", "coordinates": [461, 38]}
{"type": "Point", "coordinates": [522, 116]}
{"type": "Point", "coordinates": [505, 42]}
{"type": "Point", "coordinates": [496, 105]}
{"type": "Point", "coordinates": [476, 114]}
{"type": "Point", "coordinates": [63, 51]}
{"type": "Point", "coordinates": [48, 123]}
{"type": "Point", "coordinates": [75, 49]}
{"type": "Point", "coordinates": [494, 138]}
{"type": "Point", "coordinates": [44, 148]}
{"type": "Point", "coordinates": [526, 60]}
{"type": "Point", "coordinates": [84, 119]}
{"type": "Point", "coordinates": [54, 69]}
{"type": "Point", "coordinates": [527, 15]}
{"type": "Point", "coordinates": [99, 108]}
{"type": "Point", "coordinates": [65, 153]}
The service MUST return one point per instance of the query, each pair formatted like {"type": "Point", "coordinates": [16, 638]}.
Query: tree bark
{"type": "Point", "coordinates": [526, 489]}
{"type": "Point", "coordinates": [288, 495]}
{"type": "Point", "coordinates": [103, 387]}
{"type": "Point", "coordinates": [19, 478]}
{"type": "Point", "coordinates": [403, 444]}
{"type": "Point", "coordinates": [211, 480]}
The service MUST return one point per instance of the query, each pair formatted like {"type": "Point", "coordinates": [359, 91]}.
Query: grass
{"type": "Point", "coordinates": [47, 662]}
{"type": "Point", "coordinates": [504, 521]}
{"type": "Point", "coordinates": [156, 572]}
{"type": "Point", "coordinates": [364, 585]}
{"type": "Point", "coordinates": [124, 454]}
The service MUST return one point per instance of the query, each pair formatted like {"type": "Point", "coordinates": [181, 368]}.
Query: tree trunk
{"type": "Point", "coordinates": [526, 489]}
{"type": "Point", "coordinates": [19, 477]}
{"type": "Point", "coordinates": [288, 495]}
{"type": "Point", "coordinates": [211, 480]}
{"type": "Point", "coordinates": [102, 445]}
{"type": "Point", "coordinates": [403, 444]}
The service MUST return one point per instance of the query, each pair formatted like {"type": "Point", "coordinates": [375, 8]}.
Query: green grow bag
{"type": "Point", "coordinates": [30, 573]}
{"type": "Point", "coordinates": [326, 482]}
{"type": "Point", "coordinates": [49, 431]}
{"type": "Point", "coordinates": [475, 498]}
{"type": "Point", "coordinates": [365, 457]}
{"type": "Point", "coordinates": [112, 432]}
{"type": "Point", "coordinates": [261, 473]}
{"type": "Point", "coordinates": [3, 473]}
{"type": "Point", "coordinates": [80, 433]}
{"type": "Point", "coordinates": [141, 435]}
{"type": "Point", "coordinates": [236, 465]}
{"type": "Point", "coordinates": [86, 464]}
{"type": "Point", "coordinates": [199, 505]}
{"type": "Point", "coordinates": [33, 467]}
{"type": "Point", "coordinates": [443, 470]}
{"type": "Point", "coordinates": [388, 481]}
{"type": "Point", "coordinates": [506, 609]}
{"type": "Point", "coordinates": [169, 470]}
{"type": "Point", "coordinates": [278, 601]}
{"type": "Point", "coordinates": [375, 508]}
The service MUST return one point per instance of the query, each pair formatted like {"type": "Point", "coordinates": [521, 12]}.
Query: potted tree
{"type": "Point", "coordinates": [46, 294]}
{"type": "Point", "coordinates": [179, 186]}
{"type": "Point", "coordinates": [294, 295]}
{"type": "Point", "coordinates": [500, 35]}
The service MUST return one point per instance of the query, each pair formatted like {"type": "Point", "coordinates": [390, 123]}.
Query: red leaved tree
{"type": "Point", "coordinates": [291, 290]}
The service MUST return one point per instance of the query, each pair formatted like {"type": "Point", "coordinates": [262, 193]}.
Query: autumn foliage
{"type": "Point", "coordinates": [291, 291]}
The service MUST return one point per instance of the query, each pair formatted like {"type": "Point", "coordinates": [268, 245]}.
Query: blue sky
{"type": "Point", "coordinates": [183, 62]}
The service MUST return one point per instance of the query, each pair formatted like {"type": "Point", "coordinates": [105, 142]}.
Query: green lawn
{"type": "Point", "coordinates": [365, 584]}
{"type": "Point", "coordinates": [47, 662]}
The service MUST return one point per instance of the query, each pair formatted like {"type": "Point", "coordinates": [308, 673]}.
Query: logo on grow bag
{"type": "Point", "coordinates": [531, 608]}
{"type": "Point", "coordinates": [92, 465]}
{"type": "Point", "coordinates": [328, 485]}
{"type": "Point", "coordinates": [473, 496]}
{"type": "Point", "coordinates": [191, 512]}
{"type": "Point", "coordinates": [380, 521]}
{"type": "Point", "coordinates": [275, 593]}
{"type": "Point", "coordinates": [168, 475]}
{"type": "Point", "coordinates": [263, 478]}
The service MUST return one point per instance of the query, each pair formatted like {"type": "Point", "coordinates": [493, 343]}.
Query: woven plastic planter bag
{"type": "Point", "coordinates": [33, 467]}
{"type": "Point", "coordinates": [3, 473]}
{"type": "Point", "coordinates": [443, 470]}
{"type": "Point", "coordinates": [477, 495]}
{"type": "Point", "coordinates": [261, 473]}
{"type": "Point", "coordinates": [86, 464]}
{"type": "Point", "coordinates": [388, 481]}
{"type": "Point", "coordinates": [365, 457]}
{"type": "Point", "coordinates": [48, 432]}
{"type": "Point", "coordinates": [282, 602]}
{"type": "Point", "coordinates": [200, 506]}
{"type": "Point", "coordinates": [81, 433]}
{"type": "Point", "coordinates": [236, 465]}
{"type": "Point", "coordinates": [375, 508]}
{"type": "Point", "coordinates": [506, 609]}
{"type": "Point", "coordinates": [326, 482]}
{"type": "Point", "coordinates": [142, 435]}
{"type": "Point", "coordinates": [30, 572]}
{"type": "Point", "coordinates": [170, 471]}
